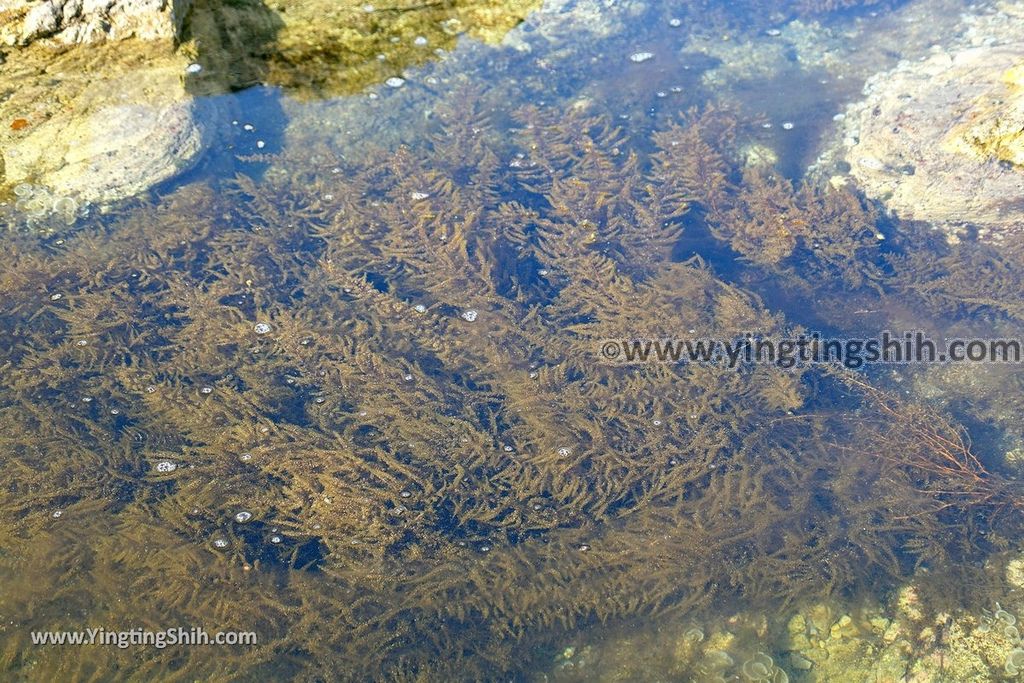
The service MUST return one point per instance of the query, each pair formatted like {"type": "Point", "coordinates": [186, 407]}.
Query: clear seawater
{"type": "Point", "coordinates": [340, 384]}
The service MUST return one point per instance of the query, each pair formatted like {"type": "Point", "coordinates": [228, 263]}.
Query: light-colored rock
{"type": "Point", "coordinates": [90, 21]}
{"type": "Point", "coordinates": [1015, 572]}
{"type": "Point", "coordinates": [100, 134]}
{"type": "Point", "coordinates": [940, 139]}
{"type": "Point", "coordinates": [109, 120]}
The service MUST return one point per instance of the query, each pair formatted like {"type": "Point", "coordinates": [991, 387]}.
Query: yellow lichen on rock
{"type": "Point", "coordinates": [994, 128]}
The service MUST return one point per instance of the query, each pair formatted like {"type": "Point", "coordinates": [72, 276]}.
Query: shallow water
{"type": "Point", "coordinates": [341, 384]}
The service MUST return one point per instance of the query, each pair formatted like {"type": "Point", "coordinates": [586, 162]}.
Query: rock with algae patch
{"type": "Point", "coordinates": [940, 139]}
{"type": "Point", "coordinates": [101, 123]}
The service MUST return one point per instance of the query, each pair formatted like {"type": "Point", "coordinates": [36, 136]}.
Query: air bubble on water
{"type": "Point", "coordinates": [394, 82]}
{"type": "Point", "coordinates": [773, 32]}
{"type": "Point", "coordinates": [56, 297]}
{"type": "Point", "coordinates": [276, 539]}
{"type": "Point", "coordinates": [166, 466]}
{"type": "Point", "coordinates": [640, 57]}
{"type": "Point", "coordinates": [407, 377]}
{"type": "Point", "coordinates": [508, 449]}
{"type": "Point", "coordinates": [675, 23]}
{"type": "Point", "coordinates": [420, 41]}
{"type": "Point", "coordinates": [469, 315]}
{"type": "Point", "coordinates": [418, 195]}
{"type": "Point", "coordinates": [220, 543]}
{"type": "Point", "coordinates": [260, 144]}
{"type": "Point", "coordinates": [563, 451]}
{"type": "Point", "coordinates": [249, 127]}
{"type": "Point", "coordinates": [81, 342]}
{"type": "Point", "coordinates": [788, 125]}
{"type": "Point", "coordinates": [243, 517]}
{"type": "Point", "coordinates": [420, 308]}
{"type": "Point", "coordinates": [206, 390]}
{"type": "Point", "coordinates": [57, 514]}
{"type": "Point", "coordinates": [261, 328]}
{"type": "Point", "coordinates": [193, 68]}
{"type": "Point", "coordinates": [406, 494]}
{"type": "Point", "coordinates": [245, 457]}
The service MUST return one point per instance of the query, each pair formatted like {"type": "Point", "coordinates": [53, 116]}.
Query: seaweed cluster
{"type": "Point", "coordinates": [357, 406]}
{"type": "Point", "coordinates": [823, 240]}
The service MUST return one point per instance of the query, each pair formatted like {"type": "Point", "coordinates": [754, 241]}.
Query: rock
{"type": "Point", "coordinates": [105, 136]}
{"type": "Point", "coordinates": [799, 662]}
{"type": "Point", "coordinates": [942, 139]}
{"type": "Point", "coordinates": [106, 121]}
{"type": "Point", "coordinates": [106, 118]}
{"type": "Point", "coordinates": [1015, 572]}
{"type": "Point", "coordinates": [91, 21]}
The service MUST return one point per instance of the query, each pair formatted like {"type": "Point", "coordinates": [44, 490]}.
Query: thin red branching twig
{"type": "Point", "coordinates": [941, 449]}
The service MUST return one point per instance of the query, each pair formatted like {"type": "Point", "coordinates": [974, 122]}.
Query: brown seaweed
{"type": "Point", "coordinates": [394, 369]}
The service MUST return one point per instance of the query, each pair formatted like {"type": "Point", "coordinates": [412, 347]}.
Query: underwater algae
{"type": "Point", "coordinates": [390, 363]}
